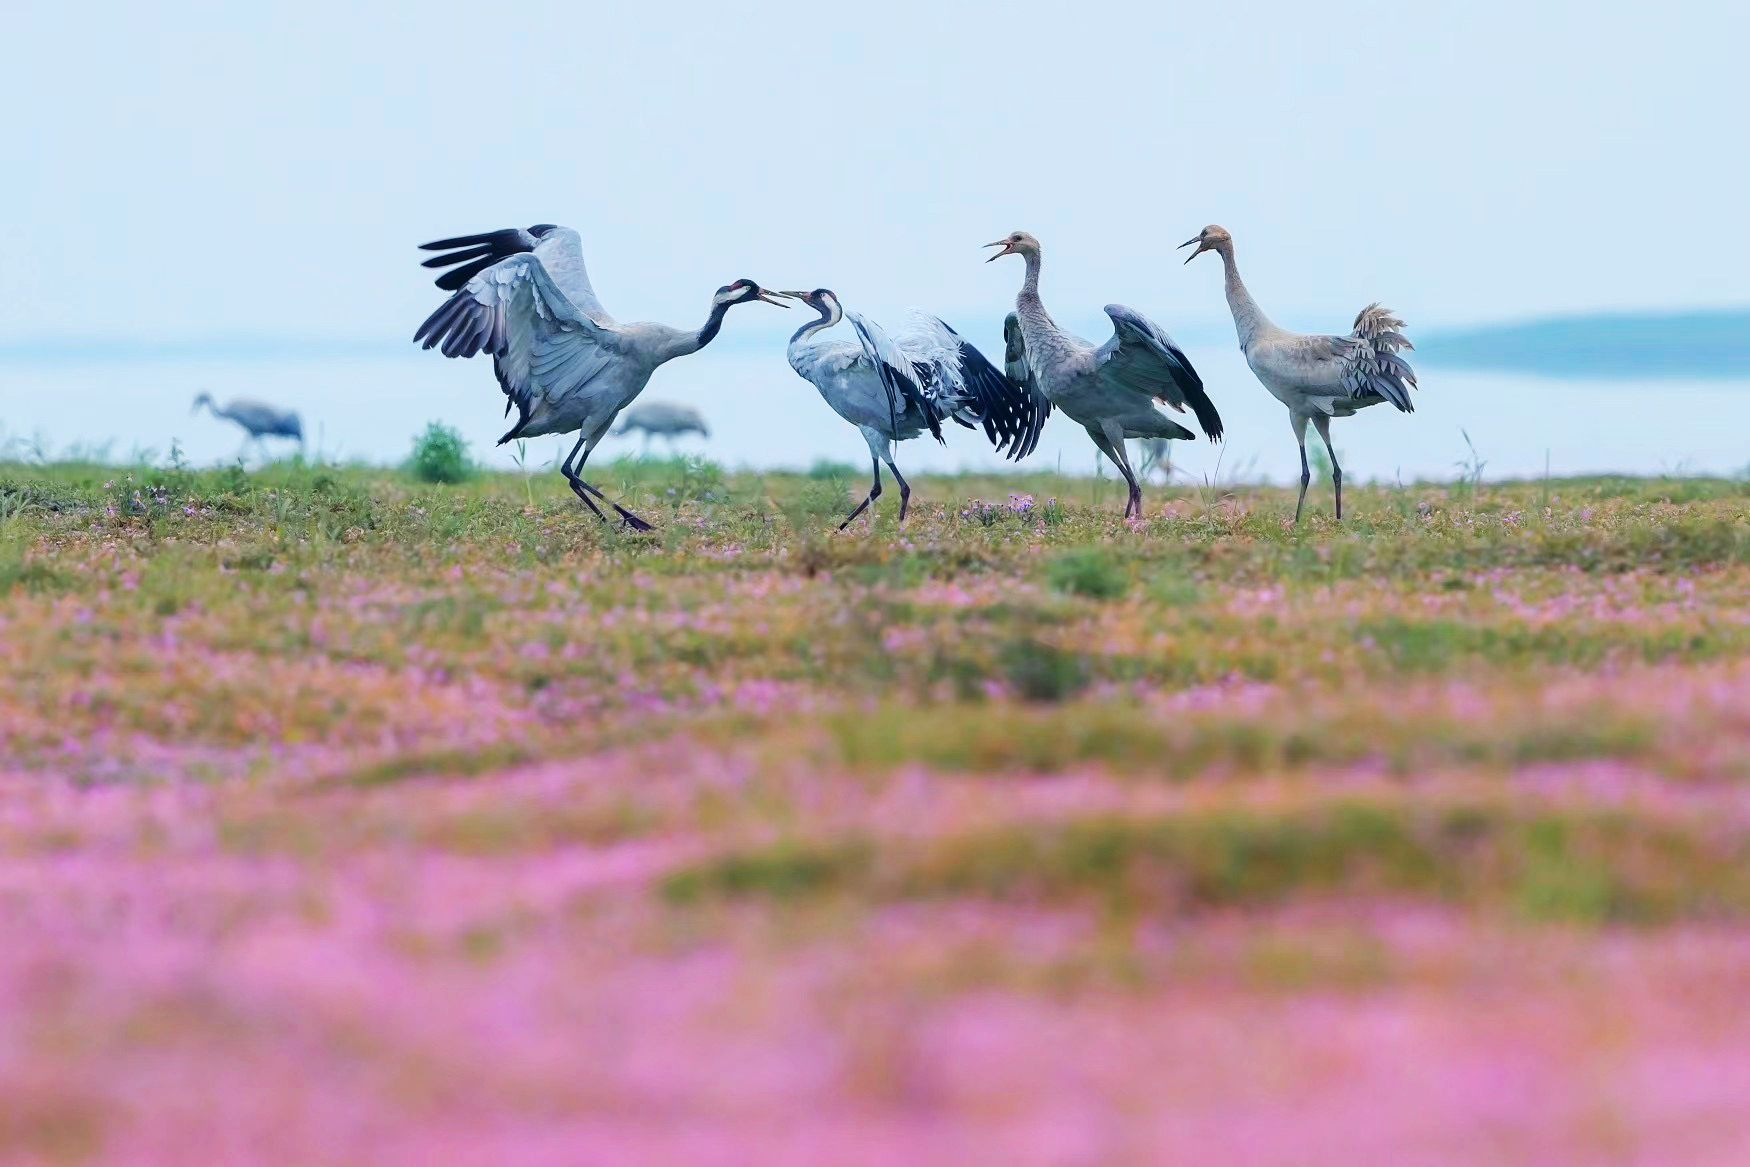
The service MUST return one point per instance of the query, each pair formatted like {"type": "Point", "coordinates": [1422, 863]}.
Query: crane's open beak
{"type": "Point", "coordinates": [803, 296]}
{"type": "Point", "coordinates": [1007, 249]}
{"type": "Point", "coordinates": [770, 297]}
{"type": "Point", "coordinates": [1200, 248]}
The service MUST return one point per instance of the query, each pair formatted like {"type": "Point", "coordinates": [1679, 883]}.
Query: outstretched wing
{"type": "Point", "coordinates": [1369, 358]}
{"type": "Point", "coordinates": [542, 346]}
{"type": "Point", "coordinates": [476, 253]}
{"type": "Point", "coordinates": [897, 373]}
{"type": "Point", "coordinates": [1142, 358]}
{"type": "Point", "coordinates": [560, 249]}
{"type": "Point", "coordinates": [1012, 413]}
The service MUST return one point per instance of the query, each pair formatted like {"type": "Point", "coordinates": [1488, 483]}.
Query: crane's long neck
{"type": "Point", "coordinates": [684, 344]}
{"type": "Point", "coordinates": [797, 352]}
{"type": "Point", "coordinates": [713, 324]}
{"type": "Point", "coordinates": [1249, 319]}
{"type": "Point", "coordinates": [1028, 306]}
{"type": "Point", "coordinates": [829, 316]}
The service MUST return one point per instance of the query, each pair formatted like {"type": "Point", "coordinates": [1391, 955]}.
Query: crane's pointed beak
{"type": "Point", "coordinates": [1200, 248]}
{"type": "Point", "coordinates": [792, 295]}
{"type": "Point", "coordinates": [1006, 249]}
{"type": "Point", "coordinates": [771, 298]}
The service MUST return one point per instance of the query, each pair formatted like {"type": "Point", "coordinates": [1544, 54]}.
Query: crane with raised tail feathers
{"type": "Point", "coordinates": [524, 297]}
{"type": "Point", "coordinates": [1110, 389]}
{"type": "Point", "coordinates": [1316, 377]}
{"type": "Point", "coordinates": [894, 388]}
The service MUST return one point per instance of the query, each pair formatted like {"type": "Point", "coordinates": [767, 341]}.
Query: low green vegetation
{"type": "Point", "coordinates": [441, 769]}
{"type": "Point", "coordinates": [440, 455]}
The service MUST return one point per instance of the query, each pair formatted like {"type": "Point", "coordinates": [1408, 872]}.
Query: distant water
{"type": "Point", "coordinates": [368, 405]}
{"type": "Point", "coordinates": [1712, 344]}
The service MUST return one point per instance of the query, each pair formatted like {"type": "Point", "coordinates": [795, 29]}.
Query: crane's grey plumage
{"type": "Point", "coordinates": [1316, 377]}
{"type": "Point", "coordinates": [662, 418]}
{"type": "Point", "coordinates": [894, 388]}
{"type": "Point", "coordinates": [258, 419]}
{"type": "Point", "coordinates": [1110, 389]}
{"type": "Point", "coordinates": [562, 361]}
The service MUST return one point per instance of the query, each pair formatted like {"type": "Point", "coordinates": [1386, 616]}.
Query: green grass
{"type": "Point", "coordinates": [396, 636]}
{"type": "Point", "coordinates": [1573, 866]}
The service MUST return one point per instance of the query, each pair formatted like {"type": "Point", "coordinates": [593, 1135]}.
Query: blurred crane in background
{"type": "Point", "coordinates": [662, 419]}
{"type": "Point", "coordinates": [258, 419]}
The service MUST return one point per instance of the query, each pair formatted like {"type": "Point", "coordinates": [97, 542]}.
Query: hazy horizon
{"type": "Point", "coordinates": [221, 171]}
{"type": "Point", "coordinates": [196, 178]}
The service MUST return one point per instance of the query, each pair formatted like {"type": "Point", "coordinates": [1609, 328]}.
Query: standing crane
{"type": "Point", "coordinates": [1156, 454]}
{"type": "Point", "coordinates": [525, 298]}
{"type": "Point", "coordinates": [1316, 377]}
{"type": "Point", "coordinates": [894, 388]}
{"type": "Point", "coordinates": [664, 418]}
{"type": "Point", "coordinates": [258, 419]}
{"type": "Point", "coordinates": [1110, 390]}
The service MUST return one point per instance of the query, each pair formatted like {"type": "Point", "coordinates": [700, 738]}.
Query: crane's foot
{"type": "Point", "coordinates": [632, 521]}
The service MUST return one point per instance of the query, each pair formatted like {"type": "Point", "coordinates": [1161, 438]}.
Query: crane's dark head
{"type": "Point", "coordinates": [745, 292]}
{"type": "Point", "coordinates": [1211, 238]}
{"type": "Point", "coordinates": [821, 300]}
{"type": "Point", "coordinates": [1015, 243]}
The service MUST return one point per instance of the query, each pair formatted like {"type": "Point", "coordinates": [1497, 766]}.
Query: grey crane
{"type": "Point", "coordinates": [1156, 454]}
{"type": "Point", "coordinates": [1111, 389]}
{"type": "Point", "coordinates": [258, 419]}
{"type": "Point", "coordinates": [524, 297]}
{"type": "Point", "coordinates": [894, 388]}
{"type": "Point", "coordinates": [662, 418]}
{"type": "Point", "coordinates": [1316, 377]}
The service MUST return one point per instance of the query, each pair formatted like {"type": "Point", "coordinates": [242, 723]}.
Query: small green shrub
{"type": "Point", "coordinates": [826, 468]}
{"type": "Point", "coordinates": [1088, 571]}
{"type": "Point", "coordinates": [440, 455]}
{"type": "Point", "coordinates": [1036, 671]}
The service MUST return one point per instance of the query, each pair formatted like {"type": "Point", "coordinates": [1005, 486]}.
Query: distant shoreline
{"type": "Point", "coordinates": [1714, 344]}
{"type": "Point", "coordinates": [1708, 345]}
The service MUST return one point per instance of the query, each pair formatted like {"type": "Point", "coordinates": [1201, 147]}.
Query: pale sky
{"type": "Point", "coordinates": [189, 171]}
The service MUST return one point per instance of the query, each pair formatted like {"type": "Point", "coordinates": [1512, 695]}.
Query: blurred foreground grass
{"type": "Point", "coordinates": [1017, 745]}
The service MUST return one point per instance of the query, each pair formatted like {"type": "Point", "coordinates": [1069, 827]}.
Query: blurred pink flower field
{"type": "Point", "coordinates": [1424, 841]}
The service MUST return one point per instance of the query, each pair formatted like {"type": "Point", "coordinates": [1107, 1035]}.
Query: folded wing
{"type": "Point", "coordinates": [972, 390]}
{"type": "Point", "coordinates": [899, 379]}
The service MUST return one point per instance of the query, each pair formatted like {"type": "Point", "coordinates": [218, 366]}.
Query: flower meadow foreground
{"type": "Point", "coordinates": [345, 820]}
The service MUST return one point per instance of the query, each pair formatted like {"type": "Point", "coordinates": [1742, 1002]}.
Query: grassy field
{"type": "Point", "coordinates": [348, 820]}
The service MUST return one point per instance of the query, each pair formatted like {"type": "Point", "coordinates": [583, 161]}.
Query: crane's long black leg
{"type": "Point", "coordinates": [578, 485]}
{"type": "Point", "coordinates": [904, 489]}
{"type": "Point", "coordinates": [1323, 425]}
{"type": "Point", "coordinates": [1305, 470]}
{"type": "Point", "coordinates": [874, 493]}
{"type": "Point", "coordinates": [1134, 509]}
{"type": "Point", "coordinates": [1114, 451]}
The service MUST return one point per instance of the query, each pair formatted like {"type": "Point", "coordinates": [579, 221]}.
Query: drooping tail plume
{"type": "Point", "coordinates": [1372, 367]}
